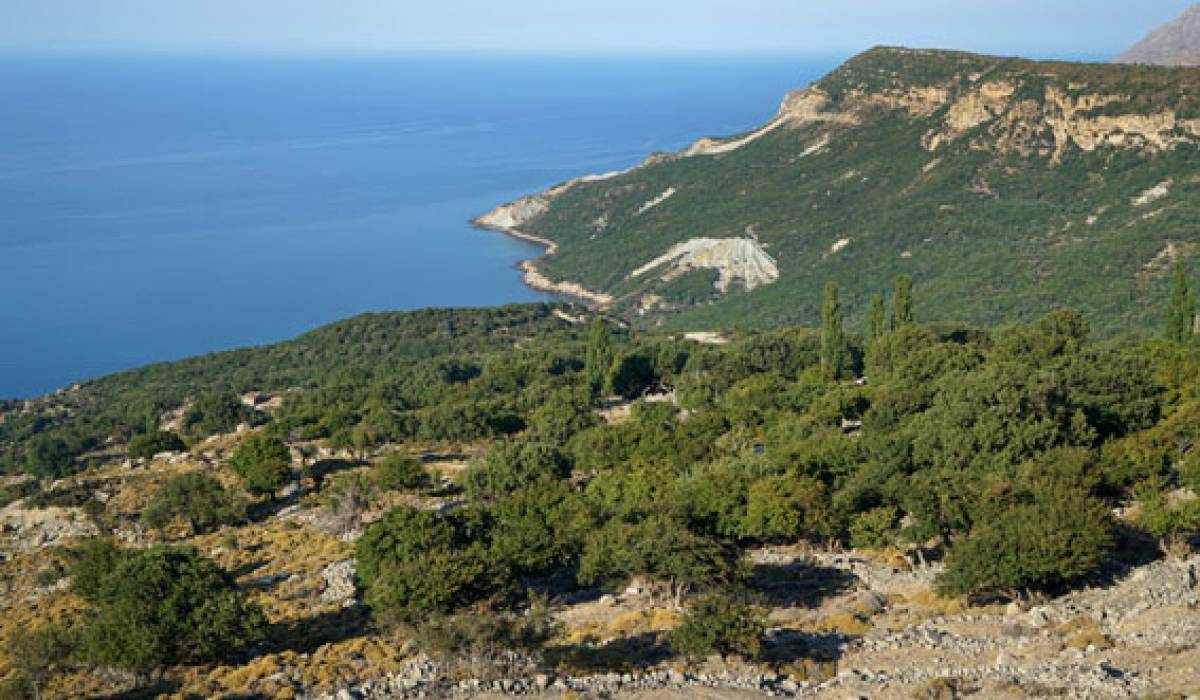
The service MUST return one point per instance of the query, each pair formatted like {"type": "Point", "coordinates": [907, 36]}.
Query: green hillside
{"type": "Point", "coordinates": [1005, 187]}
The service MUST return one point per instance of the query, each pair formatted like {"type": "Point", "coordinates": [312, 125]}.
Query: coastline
{"type": "Point", "coordinates": [534, 279]}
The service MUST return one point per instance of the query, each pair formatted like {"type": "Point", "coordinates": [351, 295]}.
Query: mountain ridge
{"type": "Point", "coordinates": [1176, 43]}
{"type": "Point", "coordinates": [982, 176]}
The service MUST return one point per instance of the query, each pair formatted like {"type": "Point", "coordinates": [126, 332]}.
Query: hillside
{"type": "Point", "coordinates": [1176, 43]}
{"type": "Point", "coordinates": [536, 501]}
{"type": "Point", "coordinates": [1005, 187]}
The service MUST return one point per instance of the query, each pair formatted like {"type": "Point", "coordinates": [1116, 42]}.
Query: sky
{"type": "Point", "coordinates": [1035, 28]}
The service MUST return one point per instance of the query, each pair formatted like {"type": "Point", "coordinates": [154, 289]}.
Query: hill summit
{"type": "Point", "coordinates": [1005, 187]}
{"type": "Point", "coordinates": [1176, 43]}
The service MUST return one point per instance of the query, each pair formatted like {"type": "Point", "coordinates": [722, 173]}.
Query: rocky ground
{"type": "Point", "coordinates": [844, 625]}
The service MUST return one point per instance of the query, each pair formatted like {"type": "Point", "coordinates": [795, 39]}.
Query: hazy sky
{"type": "Point", "coordinates": [1031, 27]}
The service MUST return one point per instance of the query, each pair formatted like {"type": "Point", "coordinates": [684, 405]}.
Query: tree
{"type": "Point", "coordinates": [217, 412]}
{"type": "Point", "coordinates": [511, 465]}
{"type": "Point", "coordinates": [833, 336]}
{"type": "Point", "coordinates": [413, 563]}
{"type": "Point", "coordinates": [660, 548]}
{"type": "Point", "coordinates": [902, 302]}
{"type": "Point", "coordinates": [197, 498]}
{"type": "Point", "coordinates": [264, 464]}
{"type": "Point", "coordinates": [787, 506]}
{"type": "Point", "coordinates": [599, 358]}
{"type": "Point", "coordinates": [402, 472]}
{"type": "Point", "coordinates": [722, 622]}
{"type": "Point", "coordinates": [147, 445]}
{"type": "Point", "coordinates": [876, 317]}
{"type": "Point", "coordinates": [1050, 538]}
{"type": "Point", "coordinates": [164, 606]}
{"type": "Point", "coordinates": [1181, 306]}
{"type": "Point", "coordinates": [49, 456]}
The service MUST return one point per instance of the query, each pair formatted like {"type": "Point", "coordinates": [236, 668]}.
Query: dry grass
{"type": "Point", "coordinates": [625, 624]}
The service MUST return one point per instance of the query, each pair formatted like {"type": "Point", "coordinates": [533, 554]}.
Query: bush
{"type": "Point", "coordinates": [659, 548]}
{"type": "Point", "coordinates": [164, 606]}
{"type": "Point", "coordinates": [413, 563]}
{"type": "Point", "coordinates": [196, 498]}
{"type": "Point", "coordinates": [147, 445]}
{"type": "Point", "coordinates": [401, 472]}
{"type": "Point", "coordinates": [90, 563]}
{"type": "Point", "coordinates": [512, 465]}
{"type": "Point", "coordinates": [874, 529]}
{"type": "Point", "coordinates": [217, 412]}
{"type": "Point", "coordinates": [36, 655]}
{"type": "Point", "coordinates": [1059, 535]}
{"type": "Point", "coordinates": [721, 622]}
{"type": "Point", "coordinates": [263, 463]}
{"type": "Point", "coordinates": [787, 506]}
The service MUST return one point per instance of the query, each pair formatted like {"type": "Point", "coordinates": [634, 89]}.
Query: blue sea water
{"type": "Point", "coordinates": [157, 207]}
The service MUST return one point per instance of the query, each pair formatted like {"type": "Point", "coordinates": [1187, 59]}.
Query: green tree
{"type": "Point", "coordinates": [264, 464]}
{"type": "Point", "coordinates": [164, 606]}
{"type": "Point", "coordinates": [876, 317]}
{"type": "Point", "coordinates": [660, 548]}
{"type": "Point", "coordinates": [902, 302]}
{"type": "Point", "coordinates": [511, 465]}
{"type": "Point", "coordinates": [599, 358]}
{"type": "Point", "coordinates": [402, 472]}
{"type": "Point", "coordinates": [1181, 306]}
{"type": "Point", "coordinates": [787, 506]}
{"type": "Point", "coordinates": [197, 498]}
{"type": "Point", "coordinates": [722, 622]}
{"type": "Point", "coordinates": [1054, 536]}
{"type": "Point", "coordinates": [147, 445]}
{"type": "Point", "coordinates": [833, 336]}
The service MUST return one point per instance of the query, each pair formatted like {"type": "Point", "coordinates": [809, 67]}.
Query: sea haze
{"type": "Point", "coordinates": [154, 207]}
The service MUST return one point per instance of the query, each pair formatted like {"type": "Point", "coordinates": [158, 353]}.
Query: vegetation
{"type": "Point", "coordinates": [147, 445]}
{"type": "Point", "coordinates": [721, 623]}
{"type": "Point", "coordinates": [402, 472]}
{"type": "Point", "coordinates": [264, 464]}
{"type": "Point", "coordinates": [162, 606]}
{"type": "Point", "coordinates": [991, 225]}
{"type": "Point", "coordinates": [196, 498]}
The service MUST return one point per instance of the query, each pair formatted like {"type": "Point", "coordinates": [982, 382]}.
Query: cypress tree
{"type": "Point", "coordinates": [876, 317]}
{"type": "Point", "coordinates": [833, 337]}
{"type": "Point", "coordinates": [902, 300]}
{"type": "Point", "coordinates": [599, 358]}
{"type": "Point", "coordinates": [1181, 306]}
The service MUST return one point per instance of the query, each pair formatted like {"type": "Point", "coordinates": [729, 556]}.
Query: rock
{"type": "Point", "coordinates": [608, 600]}
{"type": "Point", "coordinates": [1012, 609]}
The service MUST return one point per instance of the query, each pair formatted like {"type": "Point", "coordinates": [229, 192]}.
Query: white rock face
{"type": "Point", "coordinates": [734, 259]}
{"type": "Point", "coordinates": [1153, 194]}
{"type": "Point", "coordinates": [839, 244]}
{"type": "Point", "coordinates": [656, 201]}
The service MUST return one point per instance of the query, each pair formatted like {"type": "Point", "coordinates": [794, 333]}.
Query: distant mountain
{"type": "Point", "coordinates": [1005, 187]}
{"type": "Point", "coordinates": [1176, 43]}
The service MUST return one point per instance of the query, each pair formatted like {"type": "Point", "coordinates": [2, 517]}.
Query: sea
{"type": "Point", "coordinates": [155, 207]}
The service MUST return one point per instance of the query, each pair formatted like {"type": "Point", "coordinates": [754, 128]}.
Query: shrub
{"type": "Point", "coordinates": [511, 465]}
{"type": "Point", "coordinates": [401, 472]}
{"type": "Point", "coordinates": [1059, 535]}
{"type": "Point", "coordinates": [198, 499]}
{"type": "Point", "coordinates": [721, 622]}
{"type": "Point", "coordinates": [217, 412]}
{"type": "Point", "coordinates": [874, 529]}
{"type": "Point", "coordinates": [164, 606]}
{"type": "Point", "coordinates": [415, 562]}
{"type": "Point", "coordinates": [787, 506]}
{"type": "Point", "coordinates": [264, 464]}
{"type": "Point", "coordinates": [149, 444]}
{"type": "Point", "coordinates": [659, 548]}
{"type": "Point", "coordinates": [90, 562]}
